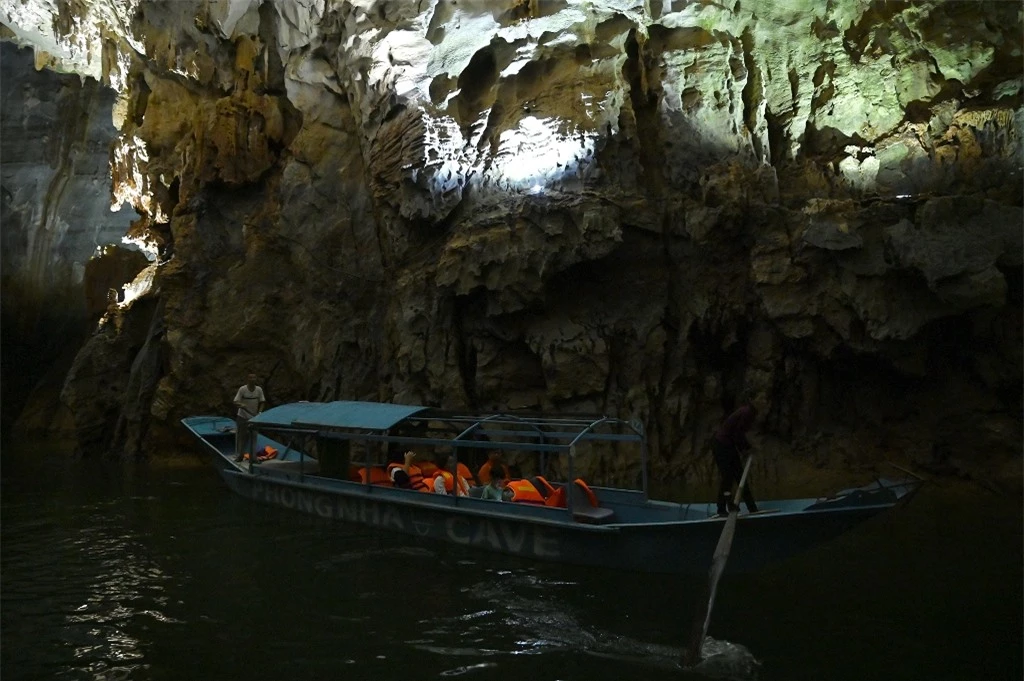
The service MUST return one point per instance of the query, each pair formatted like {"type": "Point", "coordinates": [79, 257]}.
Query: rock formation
{"type": "Point", "coordinates": [61, 244]}
{"type": "Point", "coordinates": [642, 208]}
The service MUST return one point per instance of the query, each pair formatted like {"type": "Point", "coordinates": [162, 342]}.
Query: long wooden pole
{"type": "Point", "coordinates": [702, 618]}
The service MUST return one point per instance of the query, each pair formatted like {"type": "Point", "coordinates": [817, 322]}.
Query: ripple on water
{"type": "Point", "coordinates": [459, 671]}
{"type": "Point", "coordinates": [526, 611]}
{"type": "Point", "coordinates": [83, 586]}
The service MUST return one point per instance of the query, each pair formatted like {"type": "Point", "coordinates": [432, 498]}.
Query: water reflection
{"type": "Point", "coordinates": [174, 577]}
{"type": "Point", "coordinates": [85, 569]}
{"type": "Point", "coordinates": [536, 611]}
{"type": "Point", "coordinates": [459, 671]}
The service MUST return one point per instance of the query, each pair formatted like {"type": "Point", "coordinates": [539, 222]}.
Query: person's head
{"type": "Point", "coordinates": [400, 478]}
{"type": "Point", "coordinates": [251, 381]}
{"type": "Point", "coordinates": [495, 457]}
{"type": "Point", "coordinates": [451, 463]}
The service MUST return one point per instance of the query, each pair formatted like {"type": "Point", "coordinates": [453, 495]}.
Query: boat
{"type": "Point", "coordinates": [324, 455]}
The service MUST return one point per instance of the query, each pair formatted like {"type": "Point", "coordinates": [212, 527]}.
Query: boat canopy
{"type": "Point", "coordinates": [373, 420]}
{"type": "Point", "coordinates": [339, 414]}
{"type": "Point", "coordinates": [415, 426]}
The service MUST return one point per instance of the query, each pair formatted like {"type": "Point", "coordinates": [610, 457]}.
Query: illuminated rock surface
{"type": "Point", "coordinates": [639, 208]}
{"type": "Point", "coordinates": [55, 135]}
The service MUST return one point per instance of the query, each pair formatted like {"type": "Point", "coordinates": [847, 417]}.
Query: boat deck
{"type": "Point", "coordinates": [617, 507]}
{"type": "Point", "coordinates": [320, 447]}
{"type": "Point", "coordinates": [306, 466]}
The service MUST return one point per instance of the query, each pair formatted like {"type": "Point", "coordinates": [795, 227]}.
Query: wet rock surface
{"type": "Point", "coordinates": [644, 209]}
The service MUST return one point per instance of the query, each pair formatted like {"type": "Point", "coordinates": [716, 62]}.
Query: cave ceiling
{"type": "Point", "coordinates": [640, 206]}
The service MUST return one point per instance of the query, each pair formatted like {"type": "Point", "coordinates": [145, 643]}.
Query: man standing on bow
{"type": "Point", "coordinates": [731, 439]}
{"type": "Point", "coordinates": [250, 401]}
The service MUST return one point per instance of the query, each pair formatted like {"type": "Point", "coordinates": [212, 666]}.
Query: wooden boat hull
{"type": "Point", "coordinates": [682, 546]}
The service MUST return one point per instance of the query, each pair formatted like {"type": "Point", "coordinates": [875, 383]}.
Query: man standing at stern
{"type": "Point", "coordinates": [731, 439]}
{"type": "Point", "coordinates": [250, 401]}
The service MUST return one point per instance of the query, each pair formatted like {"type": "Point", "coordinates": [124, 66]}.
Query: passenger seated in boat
{"type": "Point", "coordinates": [494, 489]}
{"type": "Point", "coordinates": [400, 479]}
{"type": "Point", "coordinates": [414, 472]}
{"type": "Point", "coordinates": [446, 482]}
{"type": "Point", "coordinates": [494, 462]}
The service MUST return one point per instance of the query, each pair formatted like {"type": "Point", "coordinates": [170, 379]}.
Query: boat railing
{"type": "Point", "coordinates": [439, 431]}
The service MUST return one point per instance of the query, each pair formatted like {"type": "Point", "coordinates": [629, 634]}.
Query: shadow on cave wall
{"type": "Point", "coordinates": [947, 401]}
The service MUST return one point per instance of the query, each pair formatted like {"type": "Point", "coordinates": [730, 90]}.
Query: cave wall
{"type": "Point", "coordinates": [638, 208]}
{"type": "Point", "coordinates": [60, 241]}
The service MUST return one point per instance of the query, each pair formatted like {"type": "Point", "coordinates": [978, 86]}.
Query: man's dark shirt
{"type": "Point", "coordinates": [733, 431]}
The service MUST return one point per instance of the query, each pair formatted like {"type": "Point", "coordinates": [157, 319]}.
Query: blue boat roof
{"type": "Point", "coordinates": [339, 414]}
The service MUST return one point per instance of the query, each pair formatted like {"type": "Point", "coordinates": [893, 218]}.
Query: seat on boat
{"type": "Point", "coordinates": [556, 499]}
{"type": "Point", "coordinates": [585, 505]}
{"type": "Point", "coordinates": [582, 494]}
{"type": "Point", "coordinates": [591, 515]}
{"type": "Point", "coordinates": [309, 466]}
{"type": "Point", "coordinates": [543, 486]}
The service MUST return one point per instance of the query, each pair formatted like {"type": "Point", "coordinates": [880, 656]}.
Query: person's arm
{"type": "Point", "coordinates": [263, 400]}
{"type": "Point", "coordinates": [439, 485]}
{"type": "Point", "coordinates": [744, 423]}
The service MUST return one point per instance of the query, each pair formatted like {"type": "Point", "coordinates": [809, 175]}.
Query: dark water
{"type": "Point", "coordinates": [161, 573]}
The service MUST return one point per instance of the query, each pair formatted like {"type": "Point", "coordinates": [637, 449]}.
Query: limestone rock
{"type": "Point", "coordinates": [959, 236]}
{"type": "Point", "coordinates": [647, 209]}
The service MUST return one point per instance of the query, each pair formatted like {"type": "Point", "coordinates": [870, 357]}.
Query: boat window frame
{"type": "Point", "coordinates": [532, 437]}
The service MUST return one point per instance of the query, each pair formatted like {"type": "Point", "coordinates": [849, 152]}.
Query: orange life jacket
{"type": "Point", "coordinates": [465, 474]}
{"type": "Point", "coordinates": [429, 469]}
{"type": "Point", "coordinates": [378, 476]}
{"type": "Point", "coordinates": [449, 483]}
{"type": "Point", "coordinates": [559, 498]}
{"type": "Point", "coordinates": [265, 454]}
{"type": "Point", "coordinates": [415, 476]}
{"type": "Point", "coordinates": [484, 475]}
{"type": "Point", "coordinates": [523, 491]}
